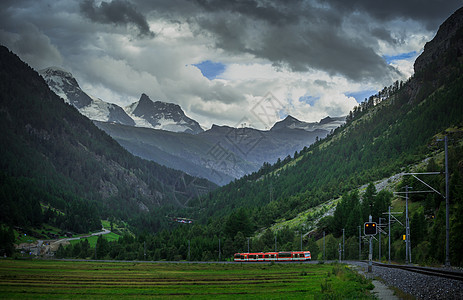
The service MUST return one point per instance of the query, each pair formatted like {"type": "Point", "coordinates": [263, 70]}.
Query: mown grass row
{"type": "Point", "coordinates": [65, 280]}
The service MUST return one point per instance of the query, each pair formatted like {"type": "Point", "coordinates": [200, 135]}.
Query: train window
{"type": "Point", "coordinates": [284, 254]}
{"type": "Point", "coordinates": [266, 256]}
{"type": "Point", "coordinates": [260, 256]}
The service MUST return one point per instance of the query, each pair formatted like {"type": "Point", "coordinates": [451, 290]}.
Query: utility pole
{"type": "Point", "coordinates": [301, 241]}
{"type": "Point", "coordinates": [360, 243]}
{"type": "Point", "coordinates": [324, 252]}
{"type": "Point", "coordinates": [389, 237]}
{"type": "Point", "coordinates": [296, 233]}
{"type": "Point", "coordinates": [379, 229]}
{"type": "Point", "coordinates": [340, 250]}
{"type": "Point", "coordinates": [447, 204]}
{"type": "Point", "coordinates": [370, 255]}
{"type": "Point", "coordinates": [144, 250]}
{"type": "Point", "coordinates": [379, 244]}
{"type": "Point", "coordinates": [275, 242]}
{"type": "Point", "coordinates": [248, 245]}
{"type": "Point", "coordinates": [188, 250]}
{"type": "Point", "coordinates": [343, 255]}
{"type": "Point", "coordinates": [407, 228]}
{"type": "Point", "coordinates": [219, 249]}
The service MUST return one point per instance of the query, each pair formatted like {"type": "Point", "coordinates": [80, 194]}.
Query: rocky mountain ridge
{"type": "Point", "coordinates": [161, 115]}
{"type": "Point", "coordinates": [328, 123]}
{"type": "Point", "coordinates": [161, 132]}
{"type": "Point", "coordinates": [55, 155]}
{"type": "Point", "coordinates": [448, 36]}
{"type": "Point", "coordinates": [143, 113]}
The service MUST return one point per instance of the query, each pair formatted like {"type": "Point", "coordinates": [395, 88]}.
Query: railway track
{"type": "Point", "coordinates": [424, 270]}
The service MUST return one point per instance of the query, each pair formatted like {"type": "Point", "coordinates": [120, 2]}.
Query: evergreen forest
{"type": "Point", "coordinates": [59, 169]}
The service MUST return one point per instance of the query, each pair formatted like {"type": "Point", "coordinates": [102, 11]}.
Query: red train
{"type": "Point", "coordinates": [274, 256]}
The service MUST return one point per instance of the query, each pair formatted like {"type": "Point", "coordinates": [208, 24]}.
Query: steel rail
{"type": "Point", "coordinates": [424, 270]}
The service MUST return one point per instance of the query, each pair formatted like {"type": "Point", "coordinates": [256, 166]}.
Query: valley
{"type": "Point", "coordinates": [145, 182]}
{"type": "Point", "coordinates": [161, 132]}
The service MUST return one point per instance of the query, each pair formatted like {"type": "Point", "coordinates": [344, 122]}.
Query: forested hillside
{"type": "Point", "coordinates": [382, 136]}
{"type": "Point", "coordinates": [52, 156]}
{"type": "Point", "coordinates": [385, 135]}
{"type": "Point", "coordinates": [390, 132]}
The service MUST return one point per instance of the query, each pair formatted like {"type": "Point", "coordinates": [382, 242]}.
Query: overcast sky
{"type": "Point", "coordinates": [224, 61]}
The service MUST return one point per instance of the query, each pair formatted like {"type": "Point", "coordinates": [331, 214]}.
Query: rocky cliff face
{"type": "Point", "coordinates": [65, 86]}
{"type": "Point", "coordinates": [162, 115]}
{"type": "Point", "coordinates": [448, 37]}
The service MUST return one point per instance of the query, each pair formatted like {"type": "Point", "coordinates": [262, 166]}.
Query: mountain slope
{"type": "Point", "coordinates": [327, 124]}
{"type": "Point", "coordinates": [220, 154]}
{"type": "Point", "coordinates": [52, 154]}
{"type": "Point", "coordinates": [378, 140]}
{"type": "Point", "coordinates": [143, 113]}
{"type": "Point", "coordinates": [180, 151]}
{"type": "Point", "coordinates": [67, 87]}
{"type": "Point", "coordinates": [245, 149]}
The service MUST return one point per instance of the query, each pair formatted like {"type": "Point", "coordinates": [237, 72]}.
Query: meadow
{"type": "Point", "coordinates": [27, 279]}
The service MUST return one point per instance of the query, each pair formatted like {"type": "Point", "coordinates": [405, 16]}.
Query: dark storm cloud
{"type": "Point", "coordinates": [117, 12]}
{"type": "Point", "coordinates": [32, 45]}
{"type": "Point", "coordinates": [304, 35]}
{"type": "Point", "coordinates": [340, 37]}
{"type": "Point", "coordinates": [275, 12]}
{"type": "Point", "coordinates": [300, 38]}
{"type": "Point", "coordinates": [431, 13]}
{"type": "Point", "coordinates": [383, 34]}
{"type": "Point", "coordinates": [25, 38]}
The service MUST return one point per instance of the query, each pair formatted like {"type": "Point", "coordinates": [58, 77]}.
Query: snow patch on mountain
{"type": "Point", "coordinates": [65, 85]}
{"type": "Point", "coordinates": [98, 110]}
{"type": "Point", "coordinates": [327, 124]}
{"type": "Point", "coordinates": [161, 115]}
{"type": "Point", "coordinates": [56, 79]}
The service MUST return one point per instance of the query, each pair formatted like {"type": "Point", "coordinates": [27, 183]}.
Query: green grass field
{"type": "Point", "coordinates": [92, 240]}
{"type": "Point", "coordinates": [66, 279]}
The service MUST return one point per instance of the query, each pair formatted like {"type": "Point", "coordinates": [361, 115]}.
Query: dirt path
{"type": "Point", "coordinates": [54, 244]}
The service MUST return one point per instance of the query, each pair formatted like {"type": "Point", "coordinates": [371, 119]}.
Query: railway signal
{"type": "Point", "coordinates": [370, 228]}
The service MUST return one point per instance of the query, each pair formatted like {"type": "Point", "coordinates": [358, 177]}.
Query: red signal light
{"type": "Point", "coordinates": [370, 228]}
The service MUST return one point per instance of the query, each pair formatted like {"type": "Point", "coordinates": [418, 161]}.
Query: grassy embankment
{"type": "Point", "coordinates": [63, 280]}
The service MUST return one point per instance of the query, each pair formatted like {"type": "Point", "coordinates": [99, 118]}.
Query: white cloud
{"type": "Point", "coordinates": [335, 49]}
{"type": "Point", "coordinates": [405, 66]}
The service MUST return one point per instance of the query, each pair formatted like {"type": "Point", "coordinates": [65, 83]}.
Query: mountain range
{"type": "Point", "coordinates": [54, 156]}
{"type": "Point", "coordinates": [143, 113]}
{"type": "Point", "coordinates": [57, 167]}
{"type": "Point", "coordinates": [383, 136]}
{"type": "Point", "coordinates": [161, 132]}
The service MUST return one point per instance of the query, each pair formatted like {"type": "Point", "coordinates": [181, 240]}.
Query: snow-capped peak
{"type": "Point", "coordinates": [143, 113]}
{"type": "Point", "coordinates": [161, 115]}
{"type": "Point", "coordinates": [65, 85]}
{"type": "Point", "coordinates": [327, 123]}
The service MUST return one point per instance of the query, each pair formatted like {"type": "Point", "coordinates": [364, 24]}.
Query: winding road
{"type": "Point", "coordinates": [54, 244]}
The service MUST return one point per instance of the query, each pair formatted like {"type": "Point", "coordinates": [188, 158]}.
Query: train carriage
{"type": "Point", "coordinates": [273, 256]}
